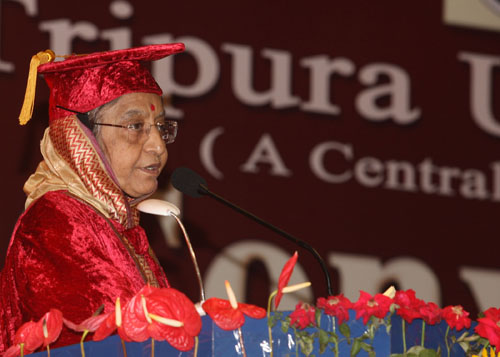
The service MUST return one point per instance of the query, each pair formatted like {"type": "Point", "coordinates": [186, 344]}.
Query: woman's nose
{"type": "Point", "coordinates": [154, 141]}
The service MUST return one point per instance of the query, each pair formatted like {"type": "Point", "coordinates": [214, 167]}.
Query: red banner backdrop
{"type": "Point", "coordinates": [370, 131]}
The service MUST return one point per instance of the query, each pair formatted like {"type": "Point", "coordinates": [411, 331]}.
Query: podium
{"type": "Point", "coordinates": [216, 342]}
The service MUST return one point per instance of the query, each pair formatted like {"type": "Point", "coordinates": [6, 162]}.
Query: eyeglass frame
{"type": "Point", "coordinates": [157, 125]}
{"type": "Point", "coordinates": [84, 118]}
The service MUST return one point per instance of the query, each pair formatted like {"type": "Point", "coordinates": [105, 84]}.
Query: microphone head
{"type": "Point", "coordinates": [158, 207]}
{"type": "Point", "coordinates": [187, 181]}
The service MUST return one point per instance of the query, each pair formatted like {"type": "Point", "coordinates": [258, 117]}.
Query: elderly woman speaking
{"type": "Point", "coordinates": [78, 245]}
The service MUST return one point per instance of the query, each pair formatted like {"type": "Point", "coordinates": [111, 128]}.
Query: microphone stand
{"type": "Point", "coordinates": [299, 242]}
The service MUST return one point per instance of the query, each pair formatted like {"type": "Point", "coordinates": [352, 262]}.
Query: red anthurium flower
{"type": "Point", "coordinates": [431, 313]}
{"type": "Point", "coordinates": [111, 321]}
{"type": "Point", "coordinates": [284, 278]}
{"type": "Point", "coordinates": [229, 318]}
{"type": "Point", "coordinates": [368, 306]}
{"type": "Point", "coordinates": [337, 306]}
{"type": "Point", "coordinates": [456, 317]}
{"type": "Point", "coordinates": [107, 327]}
{"type": "Point", "coordinates": [489, 326]}
{"type": "Point", "coordinates": [230, 315]}
{"type": "Point", "coordinates": [223, 314]}
{"type": "Point", "coordinates": [409, 305]}
{"type": "Point", "coordinates": [174, 318]}
{"type": "Point", "coordinates": [303, 316]}
{"type": "Point", "coordinates": [161, 314]}
{"type": "Point", "coordinates": [34, 334]}
{"type": "Point", "coordinates": [91, 324]}
{"type": "Point", "coordinates": [49, 327]}
{"type": "Point", "coordinates": [135, 321]}
{"type": "Point", "coordinates": [24, 335]}
{"type": "Point", "coordinates": [15, 351]}
{"type": "Point", "coordinates": [252, 311]}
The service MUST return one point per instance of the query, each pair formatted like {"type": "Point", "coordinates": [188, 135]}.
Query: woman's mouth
{"type": "Point", "coordinates": [153, 169]}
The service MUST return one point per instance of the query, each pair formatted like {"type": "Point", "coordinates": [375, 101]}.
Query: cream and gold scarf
{"type": "Point", "coordinates": [73, 161]}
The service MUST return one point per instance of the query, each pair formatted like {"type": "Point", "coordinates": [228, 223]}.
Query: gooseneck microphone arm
{"type": "Point", "coordinates": [202, 189]}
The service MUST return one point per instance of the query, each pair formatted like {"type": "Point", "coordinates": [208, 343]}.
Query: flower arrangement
{"type": "Point", "coordinates": [158, 314]}
{"type": "Point", "coordinates": [31, 335]}
{"type": "Point", "coordinates": [165, 314]}
{"type": "Point", "coordinates": [377, 311]}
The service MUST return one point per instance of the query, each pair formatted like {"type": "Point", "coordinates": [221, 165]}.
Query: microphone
{"type": "Point", "coordinates": [189, 182]}
{"type": "Point", "coordinates": [165, 208]}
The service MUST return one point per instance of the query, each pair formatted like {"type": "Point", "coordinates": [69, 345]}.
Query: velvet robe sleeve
{"type": "Point", "coordinates": [65, 255]}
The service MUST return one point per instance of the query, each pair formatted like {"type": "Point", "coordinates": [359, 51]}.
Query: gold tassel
{"type": "Point", "coordinates": [29, 97]}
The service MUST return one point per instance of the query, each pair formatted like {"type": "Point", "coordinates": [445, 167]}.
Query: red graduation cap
{"type": "Point", "coordinates": [84, 82]}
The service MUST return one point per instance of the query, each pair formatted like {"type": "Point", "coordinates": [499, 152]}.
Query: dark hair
{"type": "Point", "coordinates": [95, 114]}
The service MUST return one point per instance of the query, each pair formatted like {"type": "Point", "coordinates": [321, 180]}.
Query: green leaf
{"type": "Point", "coordinates": [388, 329]}
{"type": "Point", "coordinates": [356, 347]}
{"type": "Point", "coordinates": [305, 342]}
{"type": "Point", "coordinates": [274, 318]}
{"type": "Point", "coordinates": [285, 325]}
{"type": "Point", "coordinates": [416, 349]}
{"type": "Point", "coordinates": [471, 338]}
{"type": "Point", "coordinates": [363, 337]}
{"type": "Point", "coordinates": [366, 347]}
{"type": "Point", "coordinates": [317, 315]}
{"type": "Point", "coordinates": [462, 336]}
{"type": "Point", "coordinates": [323, 340]}
{"type": "Point", "coordinates": [388, 323]}
{"type": "Point", "coordinates": [427, 352]}
{"type": "Point", "coordinates": [483, 341]}
{"type": "Point", "coordinates": [333, 338]}
{"type": "Point", "coordinates": [464, 345]}
{"type": "Point", "coordinates": [346, 331]}
{"type": "Point", "coordinates": [270, 321]}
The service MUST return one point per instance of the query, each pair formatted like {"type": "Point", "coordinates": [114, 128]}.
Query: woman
{"type": "Point", "coordinates": [78, 244]}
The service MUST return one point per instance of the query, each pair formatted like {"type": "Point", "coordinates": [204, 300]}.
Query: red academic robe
{"type": "Point", "coordinates": [64, 254]}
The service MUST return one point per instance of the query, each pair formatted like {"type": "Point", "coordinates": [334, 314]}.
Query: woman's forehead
{"type": "Point", "coordinates": [133, 113]}
{"type": "Point", "coordinates": [141, 113]}
{"type": "Point", "coordinates": [140, 98]}
{"type": "Point", "coordinates": [136, 103]}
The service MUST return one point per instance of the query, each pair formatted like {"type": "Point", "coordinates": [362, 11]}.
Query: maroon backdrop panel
{"type": "Point", "coordinates": [369, 131]}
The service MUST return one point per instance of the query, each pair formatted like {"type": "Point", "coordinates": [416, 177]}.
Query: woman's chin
{"type": "Point", "coordinates": [143, 190]}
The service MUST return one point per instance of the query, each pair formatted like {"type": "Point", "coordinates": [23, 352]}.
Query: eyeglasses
{"type": "Point", "coordinates": [139, 131]}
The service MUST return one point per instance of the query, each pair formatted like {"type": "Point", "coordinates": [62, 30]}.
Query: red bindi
{"type": "Point", "coordinates": [153, 107]}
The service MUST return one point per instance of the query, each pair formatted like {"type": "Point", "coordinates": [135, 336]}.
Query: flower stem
{"type": "Point", "coordinates": [152, 347]}
{"type": "Point", "coordinates": [124, 347]}
{"type": "Point", "coordinates": [269, 301]}
{"type": "Point", "coordinates": [242, 344]}
{"type": "Point", "coordinates": [446, 340]}
{"type": "Point", "coordinates": [196, 346]}
{"type": "Point", "coordinates": [423, 334]}
{"type": "Point", "coordinates": [81, 342]}
{"type": "Point", "coordinates": [48, 351]}
{"type": "Point", "coordinates": [336, 350]}
{"type": "Point", "coordinates": [22, 349]}
{"type": "Point", "coordinates": [403, 324]}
